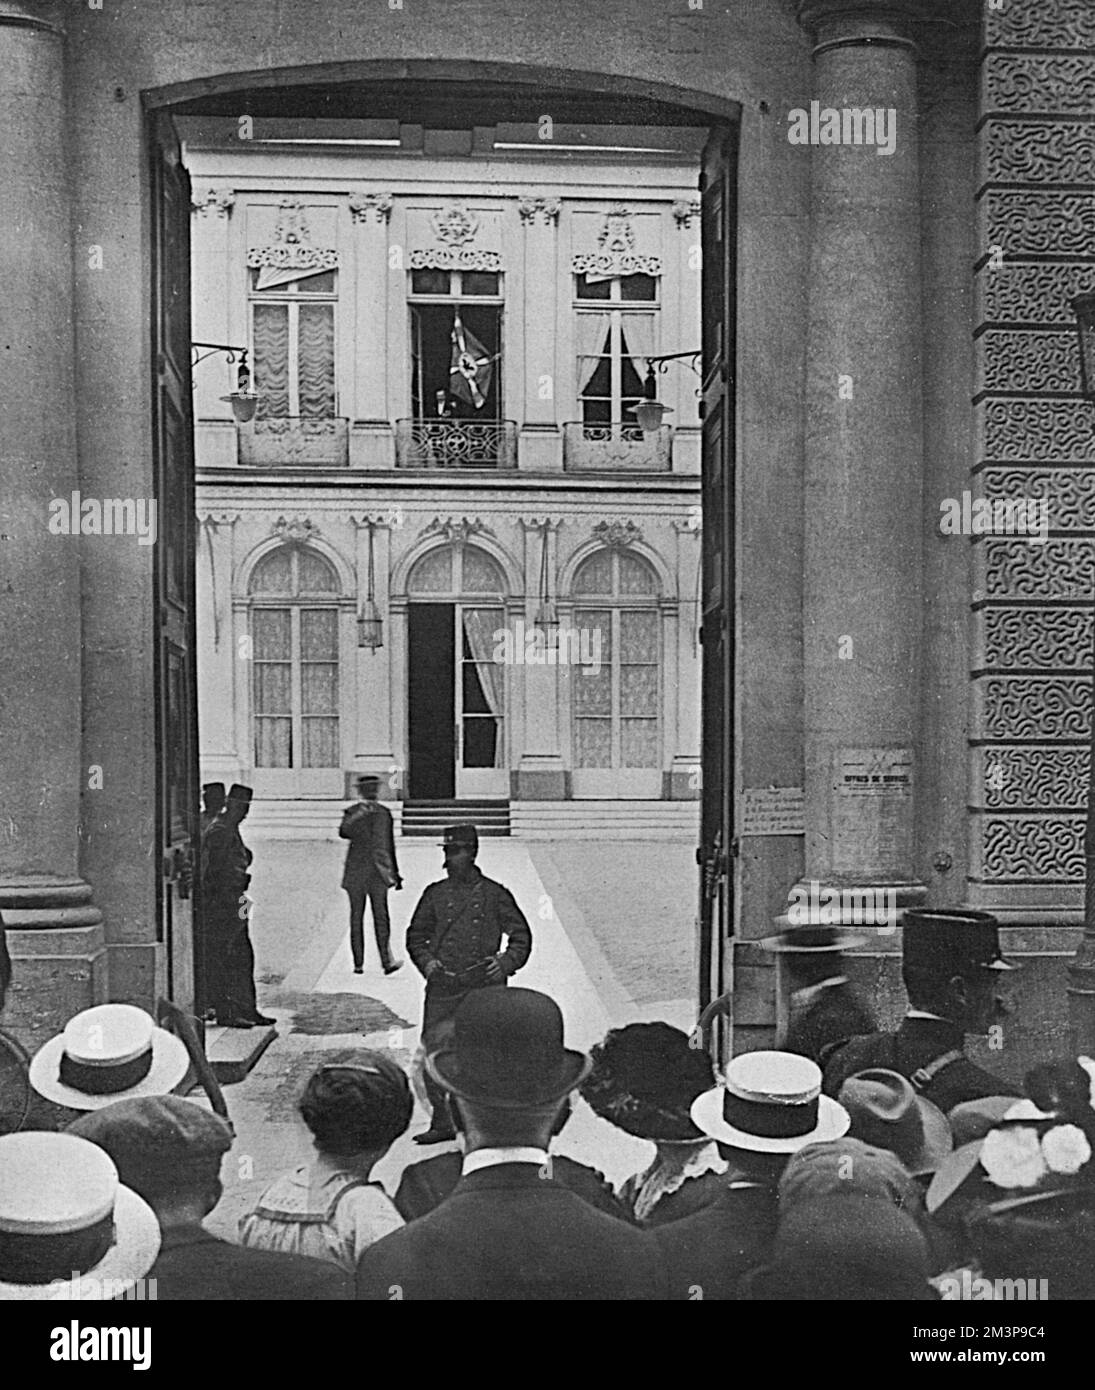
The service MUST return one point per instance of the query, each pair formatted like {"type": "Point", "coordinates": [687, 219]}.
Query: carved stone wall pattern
{"type": "Point", "coordinates": [1060, 569]}
{"type": "Point", "coordinates": [1027, 222]}
{"type": "Point", "coordinates": [1038, 431]}
{"type": "Point", "coordinates": [1058, 83]}
{"type": "Point", "coordinates": [213, 200]}
{"type": "Point", "coordinates": [1034, 24]}
{"type": "Point", "coordinates": [1037, 152]}
{"type": "Point", "coordinates": [1069, 492]}
{"type": "Point", "coordinates": [1035, 779]}
{"type": "Point", "coordinates": [1028, 361]}
{"type": "Point", "coordinates": [291, 249]}
{"type": "Point", "coordinates": [379, 205]}
{"type": "Point", "coordinates": [1035, 294]}
{"type": "Point", "coordinates": [1029, 848]}
{"type": "Point", "coordinates": [1040, 639]}
{"type": "Point", "coordinates": [1035, 707]}
{"type": "Point", "coordinates": [547, 209]}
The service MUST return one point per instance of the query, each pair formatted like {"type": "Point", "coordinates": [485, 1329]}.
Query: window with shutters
{"type": "Point", "coordinates": [293, 347]}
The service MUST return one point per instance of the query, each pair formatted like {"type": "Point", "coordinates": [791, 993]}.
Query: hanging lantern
{"type": "Point", "coordinates": [243, 400]}
{"type": "Point", "coordinates": [370, 625]}
{"type": "Point", "coordinates": [650, 411]}
{"type": "Point", "coordinates": [546, 617]}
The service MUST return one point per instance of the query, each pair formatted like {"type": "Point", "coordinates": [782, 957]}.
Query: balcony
{"type": "Point", "coordinates": [455, 444]}
{"type": "Point", "coordinates": [616, 448]}
{"type": "Point", "coordinates": [289, 440]}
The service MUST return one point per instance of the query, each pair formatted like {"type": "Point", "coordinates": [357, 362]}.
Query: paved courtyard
{"type": "Point", "coordinates": [613, 941]}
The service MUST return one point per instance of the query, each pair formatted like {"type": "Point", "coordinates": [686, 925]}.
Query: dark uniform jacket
{"type": "Point", "coordinates": [461, 924]}
{"type": "Point", "coordinates": [372, 845]}
{"type": "Point", "coordinates": [225, 863]}
{"type": "Point", "coordinates": [917, 1044]}
{"type": "Point", "coordinates": [822, 1016]}
{"type": "Point", "coordinates": [705, 1254]}
{"type": "Point", "coordinates": [425, 1185]}
{"type": "Point", "coordinates": [198, 1265]}
{"type": "Point", "coordinates": [507, 1233]}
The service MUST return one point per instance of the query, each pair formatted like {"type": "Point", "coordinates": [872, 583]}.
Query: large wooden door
{"type": "Point", "coordinates": [717, 852]}
{"type": "Point", "coordinates": [174, 644]}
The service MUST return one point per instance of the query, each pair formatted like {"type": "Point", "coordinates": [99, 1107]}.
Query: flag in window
{"type": "Point", "coordinates": [470, 372]}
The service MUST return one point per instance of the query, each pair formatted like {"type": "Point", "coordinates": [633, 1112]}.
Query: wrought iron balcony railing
{"type": "Point", "coordinates": [455, 444]}
{"type": "Point", "coordinates": [616, 448]}
{"type": "Point", "coordinates": [286, 440]}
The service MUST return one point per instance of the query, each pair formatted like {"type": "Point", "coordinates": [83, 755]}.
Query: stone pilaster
{"type": "Point", "coordinates": [374, 741]}
{"type": "Point", "coordinates": [684, 770]}
{"type": "Point", "coordinates": [540, 775]}
{"type": "Point", "coordinates": [864, 454]}
{"type": "Point", "coordinates": [539, 448]}
{"type": "Point", "coordinates": [55, 932]}
{"type": "Point", "coordinates": [371, 443]}
{"type": "Point", "coordinates": [210, 224]}
{"type": "Point", "coordinates": [219, 658]}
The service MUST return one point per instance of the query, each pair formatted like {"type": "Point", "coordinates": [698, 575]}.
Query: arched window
{"type": "Point", "coordinates": [294, 636]}
{"type": "Point", "coordinates": [617, 703]}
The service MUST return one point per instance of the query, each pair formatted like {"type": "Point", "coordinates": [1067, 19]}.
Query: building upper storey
{"type": "Point", "coordinates": [485, 299]}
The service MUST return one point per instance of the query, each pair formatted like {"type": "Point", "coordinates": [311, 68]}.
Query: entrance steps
{"type": "Point", "coordinates": [429, 818]}
{"type": "Point", "coordinates": [605, 820]}
{"type": "Point", "coordinates": [306, 819]}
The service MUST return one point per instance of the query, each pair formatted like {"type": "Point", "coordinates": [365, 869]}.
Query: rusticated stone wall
{"type": "Point", "coordinates": [1034, 438]}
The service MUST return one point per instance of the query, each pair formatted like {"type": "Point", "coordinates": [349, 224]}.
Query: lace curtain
{"type": "Point", "coordinates": [271, 358]}
{"type": "Point", "coordinates": [480, 626]}
{"type": "Point", "coordinates": [316, 360]}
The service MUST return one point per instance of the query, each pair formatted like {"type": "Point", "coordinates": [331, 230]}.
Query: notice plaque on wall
{"type": "Point", "coordinates": [773, 811]}
{"type": "Point", "coordinates": [872, 805]}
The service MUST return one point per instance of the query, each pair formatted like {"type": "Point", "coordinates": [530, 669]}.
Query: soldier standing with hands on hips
{"type": "Point", "coordinates": [455, 942]}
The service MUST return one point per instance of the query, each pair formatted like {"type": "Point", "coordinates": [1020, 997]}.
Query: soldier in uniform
{"type": "Point", "coordinates": [824, 1007]}
{"type": "Point", "coordinates": [455, 942]}
{"type": "Point", "coordinates": [371, 869]}
{"type": "Point", "coordinates": [950, 965]}
{"type": "Point", "coordinates": [212, 803]}
{"type": "Point", "coordinates": [230, 957]}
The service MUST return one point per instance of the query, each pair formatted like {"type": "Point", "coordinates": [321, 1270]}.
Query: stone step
{"type": "Point", "coordinates": [234, 1051]}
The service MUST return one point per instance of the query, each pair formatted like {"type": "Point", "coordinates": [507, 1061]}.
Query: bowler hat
{"type": "Point", "coordinates": [236, 792]}
{"type": "Point", "coordinates": [68, 1228]}
{"type": "Point", "coordinates": [952, 941]}
{"type": "Point", "coordinates": [811, 940]}
{"type": "Point", "coordinates": [105, 1053]}
{"type": "Point", "coordinates": [887, 1113]}
{"type": "Point", "coordinates": [506, 1051]}
{"type": "Point", "coordinates": [462, 835]}
{"type": "Point", "coordinates": [770, 1102]}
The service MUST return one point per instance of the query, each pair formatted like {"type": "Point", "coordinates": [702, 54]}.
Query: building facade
{"type": "Point", "coordinates": [898, 335]}
{"type": "Point", "coordinates": [530, 553]}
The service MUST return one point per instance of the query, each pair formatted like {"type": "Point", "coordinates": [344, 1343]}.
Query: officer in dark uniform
{"type": "Point", "coordinates": [950, 965]}
{"type": "Point", "coordinates": [230, 957]}
{"type": "Point", "coordinates": [824, 1007]}
{"type": "Point", "coordinates": [455, 942]}
{"type": "Point", "coordinates": [212, 803]}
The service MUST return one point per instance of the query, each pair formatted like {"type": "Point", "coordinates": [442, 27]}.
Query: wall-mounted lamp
{"type": "Point", "coordinates": [242, 400]}
{"type": "Point", "coordinates": [370, 625]}
{"type": "Point", "coordinates": [650, 411]}
{"type": "Point", "coordinates": [546, 617]}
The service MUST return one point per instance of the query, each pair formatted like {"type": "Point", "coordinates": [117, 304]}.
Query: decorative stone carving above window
{"type": "Point", "coordinates": [291, 250]}
{"type": "Point", "coordinates": [616, 252]}
{"type": "Point", "coordinates": [298, 531]}
{"type": "Point", "coordinates": [684, 210]}
{"type": "Point", "coordinates": [547, 208]}
{"type": "Point", "coordinates": [379, 204]}
{"type": "Point", "coordinates": [457, 530]}
{"type": "Point", "coordinates": [617, 535]}
{"type": "Point", "coordinates": [213, 200]}
{"type": "Point", "coordinates": [455, 227]}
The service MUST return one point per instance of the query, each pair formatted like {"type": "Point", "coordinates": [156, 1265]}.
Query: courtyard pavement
{"type": "Point", "coordinates": [612, 943]}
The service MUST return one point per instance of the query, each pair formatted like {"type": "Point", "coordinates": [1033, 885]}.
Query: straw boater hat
{"type": "Point", "coordinates": [771, 1103]}
{"type": "Point", "coordinates": [68, 1229]}
{"type": "Point", "coordinates": [105, 1054]}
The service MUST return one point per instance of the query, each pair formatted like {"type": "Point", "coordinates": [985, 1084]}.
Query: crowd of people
{"type": "Point", "coordinates": [852, 1163]}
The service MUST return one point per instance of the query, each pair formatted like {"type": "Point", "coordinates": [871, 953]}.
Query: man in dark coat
{"type": "Point", "coordinates": [455, 942]}
{"type": "Point", "coordinates": [226, 908]}
{"type": "Point", "coordinates": [371, 869]}
{"type": "Point", "coordinates": [824, 1007]}
{"type": "Point", "coordinates": [510, 1230]}
{"type": "Point", "coordinates": [951, 963]}
{"type": "Point", "coordinates": [213, 797]}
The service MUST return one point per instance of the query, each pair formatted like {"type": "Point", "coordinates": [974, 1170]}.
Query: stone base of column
{"type": "Point", "coordinates": [539, 449]}
{"type": "Point", "coordinates": [872, 906]}
{"type": "Point", "coordinates": [58, 955]}
{"type": "Point", "coordinates": [683, 781]}
{"type": "Point", "coordinates": [540, 779]}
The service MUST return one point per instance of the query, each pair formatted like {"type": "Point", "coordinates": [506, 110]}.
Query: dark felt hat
{"type": "Point", "coordinates": [888, 1114]}
{"type": "Point", "coordinates": [811, 940]}
{"type": "Point", "coordinates": [506, 1051]}
{"type": "Point", "coordinates": [462, 835]}
{"type": "Point", "coordinates": [952, 941]}
{"type": "Point", "coordinates": [644, 1079]}
{"type": "Point", "coordinates": [368, 779]}
{"type": "Point", "coordinates": [237, 792]}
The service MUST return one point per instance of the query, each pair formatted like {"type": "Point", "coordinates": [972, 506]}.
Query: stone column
{"type": "Point", "coordinates": [55, 934]}
{"type": "Point", "coordinates": [540, 775]}
{"type": "Point", "coordinates": [214, 377]}
{"type": "Point", "coordinates": [540, 448]}
{"type": "Point", "coordinates": [370, 430]}
{"type": "Point", "coordinates": [864, 456]}
{"type": "Point", "coordinates": [684, 769]}
{"type": "Point", "coordinates": [220, 661]}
